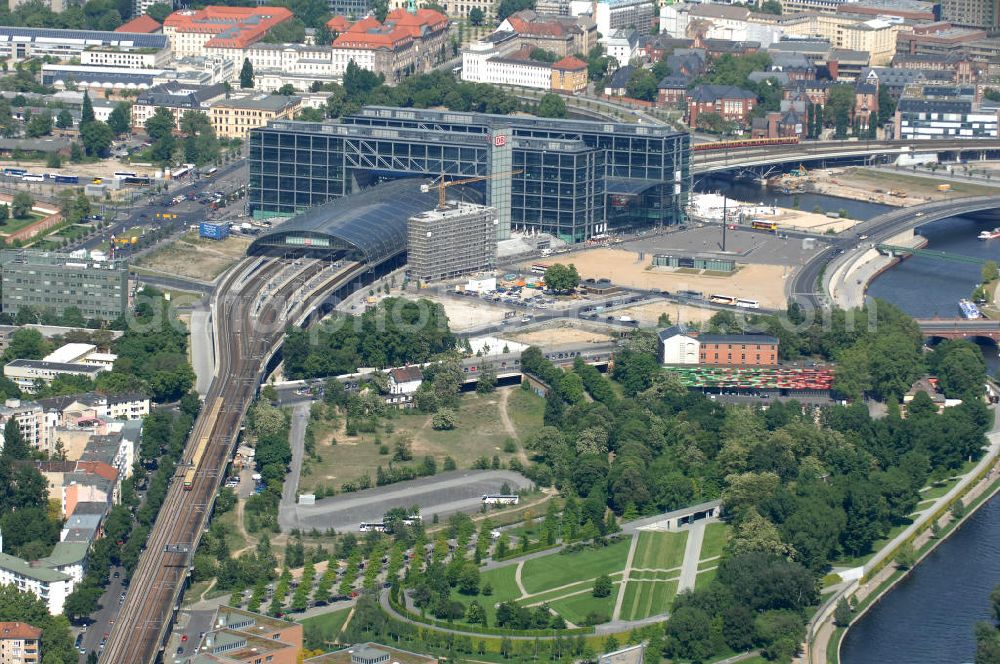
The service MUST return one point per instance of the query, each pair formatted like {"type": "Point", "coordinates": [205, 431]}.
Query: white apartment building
{"type": "Point", "coordinates": [720, 22]}
{"type": "Point", "coordinates": [30, 418]}
{"type": "Point", "coordinates": [46, 583]}
{"type": "Point", "coordinates": [485, 62]}
{"type": "Point", "coordinates": [622, 45]}
{"type": "Point", "coordinates": [610, 15]}
{"type": "Point", "coordinates": [24, 373]}
{"type": "Point", "coordinates": [110, 56]}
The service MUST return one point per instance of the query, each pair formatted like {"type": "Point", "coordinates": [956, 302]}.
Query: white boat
{"type": "Point", "coordinates": [969, 310]}
{"type": "Point", "coordinates": [990, 235]}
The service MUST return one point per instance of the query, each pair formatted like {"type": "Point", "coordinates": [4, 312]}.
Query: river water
{"type": "Point", "coordinates": [930, 615]}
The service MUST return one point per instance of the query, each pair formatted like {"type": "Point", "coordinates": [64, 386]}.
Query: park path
{"type": "Point", "coordinates": [517, 579]}
{"type": "Point", "coordinates": [620, 599]}
{"type": "Point", "coordinates": [692, 554]}
{"type": "Point", "coordinates": [508, 424]}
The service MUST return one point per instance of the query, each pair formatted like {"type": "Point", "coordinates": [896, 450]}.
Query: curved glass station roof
{"type": "Point", "coordinates": [368, 226]}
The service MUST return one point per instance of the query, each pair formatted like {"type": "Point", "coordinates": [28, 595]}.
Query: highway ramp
{"type": "Point", "coordinates": [443, 494]}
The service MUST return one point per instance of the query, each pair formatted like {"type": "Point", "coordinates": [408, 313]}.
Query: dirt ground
{"type": "Point", "coordinates": [195, 257]}
{"type": "Point", "coordinates": [557, 336]}
{"type": "Point", "coordinates": [861, 184]}
{"type": "Point", "coordinates": [765, 283]}
{"type": "Point", "coordinates": [649, 314]}
{"type": "Point", "coordinates": [811, 221]}
{"type": "Point", "coordinates": [464, 312]}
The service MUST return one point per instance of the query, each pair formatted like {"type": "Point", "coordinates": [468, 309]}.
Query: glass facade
{"type": "Point", "coordinates": [558, 183]}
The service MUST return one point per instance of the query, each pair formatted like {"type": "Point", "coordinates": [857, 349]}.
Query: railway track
{"type": "Point", "coordinates": [248, 330]}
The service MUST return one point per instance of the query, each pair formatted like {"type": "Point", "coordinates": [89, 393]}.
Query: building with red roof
{"type": "Point", "coordinates": [569, 75]}
{"type": "Point", "coordinates": [144, 24]}
{"type": "Point", "coordinates": [20, 643]}
{"type": "Point", "coordinates": [402, 45]}
{"type": "Point", "coordinates": [222, 28]}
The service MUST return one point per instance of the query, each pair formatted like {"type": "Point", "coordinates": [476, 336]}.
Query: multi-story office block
{"type": "Point", "coordinates": [574, 179]}
{"type": "Point", "coordinates": [972, 13]}
{"type": "Point", "coordinates": [457, 239]}
{"type": "Point", "coordinates": [52, 281]}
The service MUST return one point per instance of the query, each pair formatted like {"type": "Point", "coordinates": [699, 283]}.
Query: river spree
{"type": "Point", "coordinates": [930, 615]}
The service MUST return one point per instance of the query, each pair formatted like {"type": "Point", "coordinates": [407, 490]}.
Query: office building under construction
{"type": "Point", "coordinates": [450, 241]}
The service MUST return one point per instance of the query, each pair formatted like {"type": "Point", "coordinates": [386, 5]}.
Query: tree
{"type": "Point", "coordinates": [4, 214]}
{"type": "Point", "coordinates": [603, 586]}
{"type": "Point", "coordinates": [246, 74]}
{"type": "Point", "coordinates": [159, 11]}
{"type": "Point", "coordinates": [119, 119]}
{"type": "Point", "coordinates": [64, 120]}
{"type": "Point", "coordinates": [468, 579]}
{"type": "Point", "coordinates": [843, 614]}
{"type": "Point", "coordinates": [288, 32]}
{"type": "Point", "coordinates": [905, 556]}
{"type": "Point", "coordinates": [689, 634]}
{"type": "Point", "coordinates": [21, 205]}
{"type": "Point", "coordinates": [508, 7]}
{"type": "Point", "coordinates": [642, 84]}
{"type": "Point", "coordinates": [559, 277]}
{"type": "Point", "coordinates": [14, 444]}
{"type": "Point", "coordinates": [476, 614]}
{"type": "Point", "coordinates": [87, 110]}
{"type": "Point", "coordinates": [476, 16]}
{"type": "Point", "coordinates": [287, 89]}
{"type": "Point", "coordinates": [380, 9]}
{"type": "Point", "coordinates": [39, 125]}
{"type": "Point", "coordinates": [444, 420]}
{"type": "Point", "coordinates": [551, 106]}
{"type": "Point", "coordinates": [96, 137]}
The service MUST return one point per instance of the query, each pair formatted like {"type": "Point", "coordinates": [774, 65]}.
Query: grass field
{"type": "Point", "coordinates": [647, 598]}
{"type": "Point", "coordinates": [321, 631]}
{"type": "Point", "coordinates": [14, 224]}
{"type": "Point", "coordinates": [704, 578]}
{"type": "Point", "coordinates": [716, 535]}
{"type": "Point", "coordinates": [576, 608]}
{"type": "Point", "coordinates": [479, 432]}
{"type": "Point", "coordinates": [916, 185]}
{"type": "Point", "coordinates": [72, 231]}
{"type": "Point", "coordinates": [659, 550]}
{"type": "Point", "coordinates": [560, 569]}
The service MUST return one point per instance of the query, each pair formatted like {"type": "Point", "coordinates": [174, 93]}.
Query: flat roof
{"type": "Point", "coordinates": [274, 103]}
{"type": "Point", "coordinates": [37, 570]}
{"type": "Point", "coordinates": [395, 655]}
{"type": "Point", "coordinates": [69, 352]}
{"type": "Point", "coordinates": [64, 367]}
{"type": "Point", "coordinates": [82, 38]}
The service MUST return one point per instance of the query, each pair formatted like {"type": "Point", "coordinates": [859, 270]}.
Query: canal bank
{"type": "Point", "coordinates": [838, 646]}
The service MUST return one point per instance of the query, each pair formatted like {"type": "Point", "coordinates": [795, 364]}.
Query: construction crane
{"type": "Point", "coordinates": [443, 185]}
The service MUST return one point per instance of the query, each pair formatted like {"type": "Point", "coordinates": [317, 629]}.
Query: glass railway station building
{"type": "Point", "coordinates": [574, 179]}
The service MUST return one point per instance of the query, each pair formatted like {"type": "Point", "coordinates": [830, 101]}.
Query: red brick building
{"type": "Point", "coordinates": [728, 101]}
{"type": "Point", "coordinates": [738, 349]}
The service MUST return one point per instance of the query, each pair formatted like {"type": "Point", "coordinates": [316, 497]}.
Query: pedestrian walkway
{"type": "Point", "coordinates": [620, 599]}
{"type": "Point", "coordinates": [692, 555]}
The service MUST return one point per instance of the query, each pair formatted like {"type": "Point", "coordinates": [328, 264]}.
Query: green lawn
{"type": "Point", "coordinates": [716, 535]}
{"type": "Point", "coordinates": [659, 550]}
{"type": "Point", "coordinates": [560, 569]}
{"type": "Point", "coordinates": [72, 231]}
{"type": "Point", "coordinates": [575, 609]}
{"type": "Point", "coordinates": [878, 544]}
{"type": "Point", "coordinates": [15, 224]}
{"type": "Point", "coordinates": [647, 598]}
{"type": "Point", "coordinates": [706, 564]}
{"type": "Point", "coordinates": [934, 492]}
{"type": "Point", "coordinates": [704, 578]}
{"type": "Point", "coordinates": [322, 630]}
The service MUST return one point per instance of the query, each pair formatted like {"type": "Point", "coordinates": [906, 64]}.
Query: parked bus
{"type": "Point", "coordinates": [67, 179]}
{"type": "Point", "coordinates": [181, 172]}
{"type": "Point", "coordinates": [121, 175]}
{"type": "Point", "coordinates": [374, 527]}
{"type": "Point", "coordinates": [722, 299]}
{"type": "Point", "coordinates": [210, 172]}
{"type": "Point", "coordinates": [539, 269]}
{"type": "Point", "coordinates": [137, 180]}
{"type": "Point", "coordinates": [764, 225]}
{"type": "Point", "coordinates": [747, 304]}
{"type": "Point", "coordinates": [33, 177]}
{"type": "Point", "coordinates": [14, 172]}
{"type": "Point", "coordinates": [500, 499]}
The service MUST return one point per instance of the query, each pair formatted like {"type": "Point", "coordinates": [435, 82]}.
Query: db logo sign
{"type": "Point", "coordinates": [499, 141]}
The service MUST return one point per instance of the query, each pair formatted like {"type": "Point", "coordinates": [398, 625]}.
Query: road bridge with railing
{"type": "Point", "coordinates": [706, 162]}
{"type": "Point", "coordinates": [960, 328]}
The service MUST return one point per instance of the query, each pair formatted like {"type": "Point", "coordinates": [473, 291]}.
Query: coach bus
{"type": "Point", "coordinates": [500, 499]}
{"type": "Point", "coordinates": [764, 225]}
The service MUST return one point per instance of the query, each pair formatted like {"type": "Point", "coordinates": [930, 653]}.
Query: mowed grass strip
{"type": "Point", "coordinates": [658, 575]}
{"type": "Point", "coordinates": [658, 550]}
{"type": "Point", "coordinates": [647, 598]}
{"type": "Point", "coordinates": [560, 569]}
{"type": "Point", "coordinates": [704, 578]}
{"type": "Point", "coordinates": [716, 535]}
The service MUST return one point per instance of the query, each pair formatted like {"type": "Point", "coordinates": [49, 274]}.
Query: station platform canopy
{"type": "Point", "coordinates": [368, 226]}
